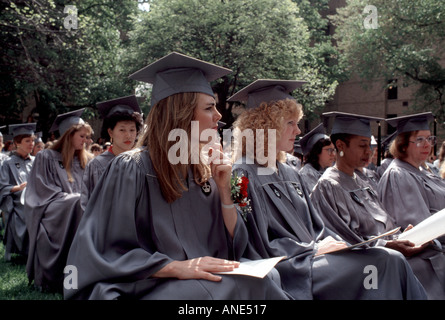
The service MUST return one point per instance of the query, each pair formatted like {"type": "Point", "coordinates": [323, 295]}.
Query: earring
{"type": "Point", "coordinates": [341, 154]}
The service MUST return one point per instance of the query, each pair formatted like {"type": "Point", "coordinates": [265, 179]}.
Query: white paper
{"type": "Point", "coordinates": [22, 197]}
{"type": "Point", "coordinates": [427, 230]}
{"type": "Point", "coordinates": [255, 268]}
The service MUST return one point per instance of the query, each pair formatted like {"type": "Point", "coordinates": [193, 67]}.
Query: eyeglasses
{"type": "Point", "coordinates": [330, 151]}
{"type": "Point", "coordinates": [420, 141]}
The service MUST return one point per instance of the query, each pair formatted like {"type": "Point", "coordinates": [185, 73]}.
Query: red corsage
{"type": "Point", "coordinates": [238, 189]}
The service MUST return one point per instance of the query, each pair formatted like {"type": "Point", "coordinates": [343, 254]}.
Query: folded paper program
{"type": "Point", "coordinates": [255, 268]}
{"type": "Point", "coordinates": [427, 230]}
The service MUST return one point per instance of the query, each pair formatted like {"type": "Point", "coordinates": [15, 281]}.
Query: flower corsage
{"type": "Point", "coordinates": [238, 190]}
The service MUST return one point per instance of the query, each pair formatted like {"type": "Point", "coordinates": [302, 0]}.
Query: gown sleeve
{"type": "Point", "coordinates": [402, 198]}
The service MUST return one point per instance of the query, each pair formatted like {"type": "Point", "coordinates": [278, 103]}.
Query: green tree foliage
{"type": "Point", "coordinates": [407, 44]}
{"type": "Point", "coordinates": [45, 57]}
{"type": "Point", "coordinates": [60, 67]}
{"type": "Point", "coordinates": [254, 38]}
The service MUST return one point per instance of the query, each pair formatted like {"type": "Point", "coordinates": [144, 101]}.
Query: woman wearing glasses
{"type": "Point", "coordinates": [408, 191]}
{"type": "Point", "coordinates": [350, 206]}
{"type": "Point", "coordinates": [319, 154]}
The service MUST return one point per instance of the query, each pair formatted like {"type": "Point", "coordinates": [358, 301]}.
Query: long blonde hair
{"type": "Point", "coordinates": [266, 116]}
{"type": "Point", "coordinates": [64, 145]}
{"type": "Point", "coordinates": [173, 112]}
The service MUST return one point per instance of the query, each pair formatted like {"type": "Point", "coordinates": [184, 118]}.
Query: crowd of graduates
{"type": "Point", "coordinates": [140, 218]}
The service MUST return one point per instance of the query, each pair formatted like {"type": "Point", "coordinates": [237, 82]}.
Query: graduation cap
{"type": "Point", "coordinates": [297, 147]}
{"type": "Point", "coordinates": [266, 90]}
{"type": "Point", "coordinates": [308, 141]}
{"type": "Point", "coordinates": [414, 122]}
{"type": "Point", "coordinates": [22, 128]}
{"type": "Point", "coordinates": [387, 141]}
{"type": "Point", "coordinates": [351, 123]}
{"type": "Point", "coordinates": [64, 121]}
{"type": "Point", "coordinates": [175, 73]}
{"type": "Point", "coordinates": [128, 104]}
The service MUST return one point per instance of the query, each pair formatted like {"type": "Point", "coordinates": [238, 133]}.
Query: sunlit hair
{"type": "Point", "coordinates": [64, 145]}
{"type": "Point", "coordinates": [267, 116]}
{"type": "Point", "coordinates": [442, 153]}
{"type": "Point", "coordinates": [400, 144]}
{"type": "Point", "coordinates": [173, 112]}
{"type": "Point", "coordinates": [442, 170]}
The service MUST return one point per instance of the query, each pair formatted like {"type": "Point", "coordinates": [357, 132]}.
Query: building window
{"type": "Point", "coordinates": [392, 89]}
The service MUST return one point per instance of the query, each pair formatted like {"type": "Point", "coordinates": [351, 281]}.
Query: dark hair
{"type": "Point", "coordinates": [18, 139]}
{"type": "Point", "coordinates": [110, 122]}
{"type": "Point", "coordinates": [95, 147]}
{"type": "Point", "coordinates": [312, 155]}
{"type": "Point", "coordinates": [345, 137]}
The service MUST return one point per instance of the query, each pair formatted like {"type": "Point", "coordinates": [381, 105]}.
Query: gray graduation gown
{"type": "Point", "coordinates": [14, 171]}
{"type": "Point", "coordinates": [284, 222]}
{"type": "Point", "coordinates": [52, 212]}
{"type": "Point", "coordinates": [310, 175]}
{"type": "Point", "coordinates": [92, 174]}
{"type": "Point", "coordinates": [293, 161]}
{"type": "Point", "coordinates": [128, 232]}
{"type": "Point", "coordinates": [350, 206]}
{"type": "Point", "coordinates": [411, 195]}
{"type": "Point", "coordinates": [3, 156]}
{"type": "Point", "coordinates": [351, 209]}
{"type": "Point", "coordinates": [370, 176]}
{"type": "Point", "coordinates": [383, 166]}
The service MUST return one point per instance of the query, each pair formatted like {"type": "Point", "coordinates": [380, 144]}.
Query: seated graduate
{"type": "Point", "coordinates": [122, 123]}
{"type": "Point", "coordinates": [14, 173]}
{"type": "Point", "coordinates": [160, 222]}
{"type": "Point", "coordinates": [52, 202]}
{"type": "Point", "coordinates": [409, 193]}
{"type": "Point", "coordinates": [282, 220]}
{"type": "Point", "coordinates": [349, 204]}
{"type": "Point", "coordinates": [319, 154]}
